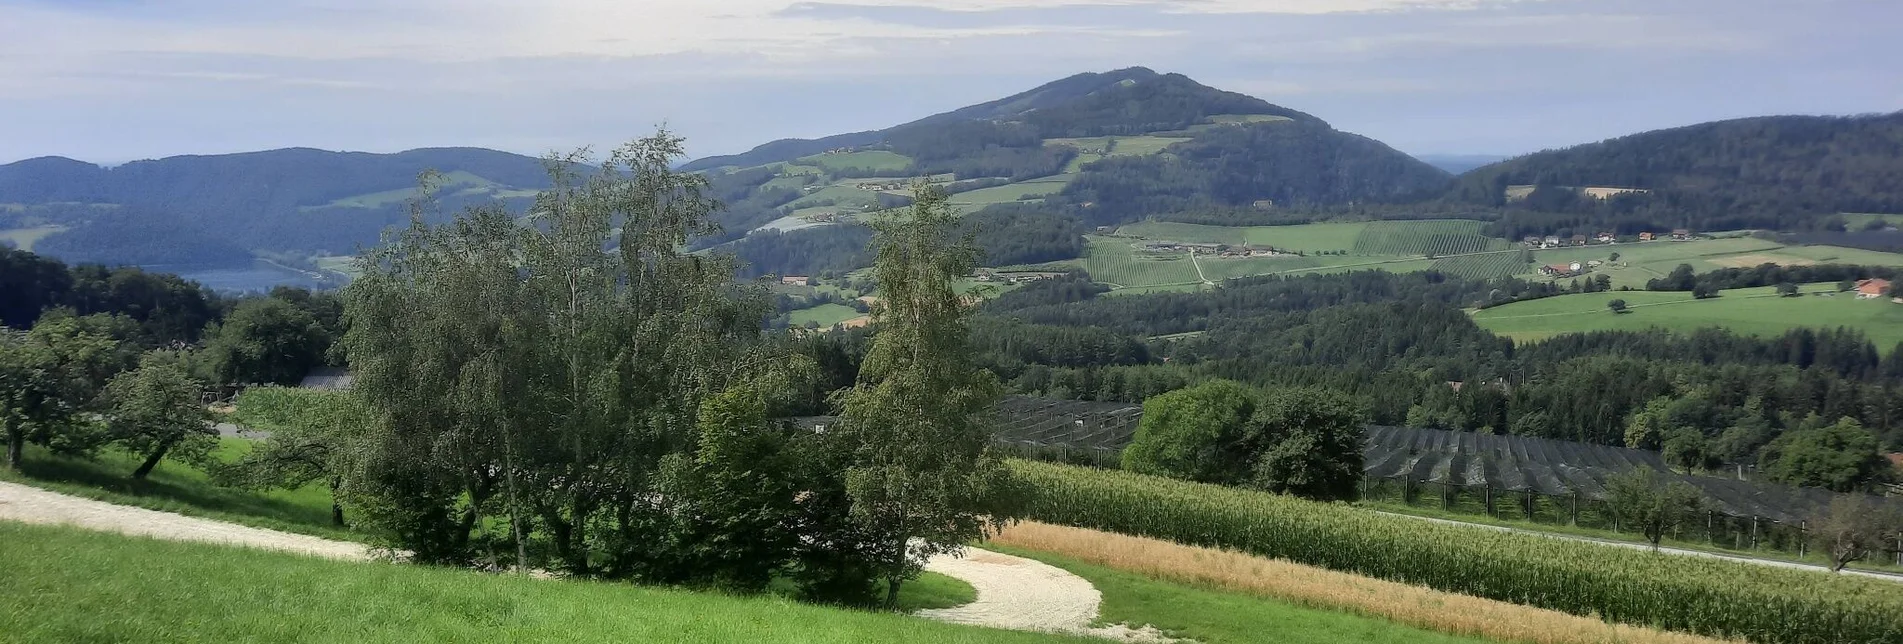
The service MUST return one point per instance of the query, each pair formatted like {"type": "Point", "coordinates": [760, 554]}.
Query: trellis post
{"type": "Point", "coordinates": [1803, 538]}
{"type": "Point", "coordinates": [1575, 517]}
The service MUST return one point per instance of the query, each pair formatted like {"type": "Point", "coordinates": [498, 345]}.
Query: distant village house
{"type": "Point", "coordinates": [796, 280]}
{"type": "Point", "coordinates": [1872, 289]}
{"type": "Point", "coordinates": [1645, 237]}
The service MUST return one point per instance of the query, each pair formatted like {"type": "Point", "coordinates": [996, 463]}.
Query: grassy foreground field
{"type": "Point", "coordinates": [1753, 311]}
{"type": "Point", "coordinates": [67, 585]}
{"type": "Point", "coordinates": [1688, 594]}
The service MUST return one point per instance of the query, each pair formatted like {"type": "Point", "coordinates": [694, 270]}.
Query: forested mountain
{"type": "Point", "coordinates": [1776, 172]}
{"type": "Point", "coordinates": [291, 199]}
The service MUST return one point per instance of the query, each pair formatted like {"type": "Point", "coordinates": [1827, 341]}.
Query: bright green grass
{"type": "Point", "coordinates": [177, 487]}
{"type": "Point", "coordinates": [1308, 238]}
{"type": "Point", "coordinates": [68, 585]}
{"type": "Point", "coordinates": [25, 238]}
{"type": "Point", "coordinates": [1436, 237]}
{"type": "Point", "coordinates": [1841, 255]}
{"type": "Point", "coordinates": [876, 160]}
{"type": "Point", "coordinates": [842, 196]}
{"type": "Point", "coordinates": [825, 315]}
{"type": "Point", "coordinates": [1010, 192]}
{"type": "Point", "coordinates": [787, 182]}
{"type": "Point", "coordinates": [1113, 261]}
{"type": "Point", "coordinates": [1219, 617]}
{"type": "Point", "coordinates": [346, 264]}
{"type": "Point", "coordinates": [1754, 311]}
{"type": "Point", "coordinates": [933, 590]}
{"type": "Point", "coordinates": [1143, 145]}
{"type": "Point", "coordinates": [1218, 269]}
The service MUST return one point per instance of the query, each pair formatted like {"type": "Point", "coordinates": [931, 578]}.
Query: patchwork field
{"type": "Point", "coordinates": [1033, 189]}
{"type": "Point", "coordinates": [1308, 238]}
{"type": "Point", "coordinates": [25, 238]}
{"type": "Point", "coordinates": [1756, 311]}
{"type": "Point", "coordinates": [1398, 246]}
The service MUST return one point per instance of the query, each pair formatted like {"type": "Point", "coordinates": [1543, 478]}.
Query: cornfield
{"type": "Point", "coordinates": [1695, 595]}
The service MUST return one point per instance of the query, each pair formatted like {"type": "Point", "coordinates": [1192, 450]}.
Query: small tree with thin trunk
{"type": "Point", "coordinates": [1643, 500]}
{"type": "Point", "coordinates": [1617, 305]}
{"type": "Point", "coordinates": [156, 409]}
{"type": "Point", "coordinates": [1852, 528]}
{"type": "Point", "coordinates": [312, 433]}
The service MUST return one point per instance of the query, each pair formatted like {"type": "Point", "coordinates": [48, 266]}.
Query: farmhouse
{"type": "Point", "coordinates": [1872, 289]}
{"type": "Point", "coordinates": [1264, 204]}
{"type": "Point", "coordinates": [1551, 240]}
{"type": "Point", "coordinates": [1605, 238]}
{"type": "Point", "coordinates": [1562, 270]}
{"type": "Point", "coordinates": [1579, 240]}
{"type": "Point", "coordinates": [1531, 240]}
{"type": "Point", "coordinates": [1645, 236]}
{"type": "Point", "coordinates": [796, 280]}
{"type": "Point", "coordinates": [1681, 234]}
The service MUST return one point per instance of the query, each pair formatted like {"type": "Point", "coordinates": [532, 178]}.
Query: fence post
{"type": "Point", "coordinates": [1803, 538]}
{"type": "Point", "coordinates": [1754, 532]}
{"type": "Point", "coordinates": [1575, 518]}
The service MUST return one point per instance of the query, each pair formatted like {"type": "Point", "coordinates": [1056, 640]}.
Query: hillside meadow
{"type": "Point", "coordinates": [1753, 311]}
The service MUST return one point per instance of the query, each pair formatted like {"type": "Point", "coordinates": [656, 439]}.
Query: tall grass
{"type": "Point", "coordinates": [1708, 597]}
{"type": "Point", "coordinates": [1322, 588]}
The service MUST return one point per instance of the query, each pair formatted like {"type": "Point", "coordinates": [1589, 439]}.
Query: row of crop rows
{"type": "Point", "coordinates": [1438, 238]}
{"type": "Point", "coordinates": [1482, 267]}
{"type": "Point", "coordinates": [1705, 596]}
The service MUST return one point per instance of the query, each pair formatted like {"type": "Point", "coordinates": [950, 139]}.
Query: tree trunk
{"type": "Point", "coordinates": [151, 461]}
{"type": "Point", "coordinates": [16, 448]}
{"type": "Point", "coordinates": [336, 508]}
{"type": "Point", "coordinates": [892, 592]}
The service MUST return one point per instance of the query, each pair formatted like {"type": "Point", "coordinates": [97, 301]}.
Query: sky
{"type": "Point", "coordinates": [110, 81]}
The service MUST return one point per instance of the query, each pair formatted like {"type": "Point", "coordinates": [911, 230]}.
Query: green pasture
{"type": "Point", "coordinates": [1855, 221]}
{"type": "Point", "coordinates": [1428, 237]}
{"type": "Point", "coordinates": [871, 160]}
{"type": "Point", "coordinates": [1754, 311]}
{"type": "Point", "coordinates": [25, 238]}
{"type": "Point", "coordinates": [825, 315]}
{"type": "Point", "coordinates": [1307, 238]}
{"type": "Point", "coordinates": [842, 197]}
{"type": "Point", "coordinates": [1642, 261]}
{"type": "Point", "coordinates": [1010, 192]}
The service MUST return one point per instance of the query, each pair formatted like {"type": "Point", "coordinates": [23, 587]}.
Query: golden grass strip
{"type": "Point", "coordinates": [1322, 588]}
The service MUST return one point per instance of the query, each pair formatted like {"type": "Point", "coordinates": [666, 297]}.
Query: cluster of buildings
{"type": "Point", "coordinates": [1217, 250]}
{"type": "Point", "coordinates": [1555, 241]}
{"type": "Point", "coordinates": [1013, 277]}
{"type": "Point", "coordinates": [1574, 269]}
{"type": "Point", "coordinates": [881, 186]}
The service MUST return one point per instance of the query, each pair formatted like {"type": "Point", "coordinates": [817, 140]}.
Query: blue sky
{"type": "Point", "coordinates": [116, 80]}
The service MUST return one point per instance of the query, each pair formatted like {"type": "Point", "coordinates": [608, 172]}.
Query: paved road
{"type": "Point", "coordinates": [1667, 550]}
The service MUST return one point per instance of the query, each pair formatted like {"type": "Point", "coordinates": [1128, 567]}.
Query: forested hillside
{"type": "Point", "coordinates": [1775, 172]}
{"type": "Point", "coordinates": [292, 199]}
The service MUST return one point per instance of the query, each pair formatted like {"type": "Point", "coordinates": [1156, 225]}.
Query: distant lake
{"type": "Point", "coordinates": [258, 277]}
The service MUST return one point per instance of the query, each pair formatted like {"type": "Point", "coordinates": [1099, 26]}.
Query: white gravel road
{"type": "Point", "coordinates": [33, 505]}
{"type": "Point", "coordinates": [1013, 592]}
{"type": "Point", "coordinates": [1027, 595]}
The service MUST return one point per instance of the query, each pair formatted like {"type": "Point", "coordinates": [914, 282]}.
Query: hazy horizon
{"type": "Point", "coordinates": [111, 81]}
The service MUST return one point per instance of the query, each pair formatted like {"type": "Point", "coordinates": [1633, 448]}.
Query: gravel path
{"type": "Point", "coordinates": [34, 505]}
{"type": "Point", "coordinates": [1013, 592]}
{"type": "Point", "coordinates": [1027, 595]}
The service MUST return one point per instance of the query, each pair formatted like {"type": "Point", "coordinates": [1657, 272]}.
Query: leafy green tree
{"type": "Point", "coordinates": [1787, 289]}
{"type": "Point", "coordinates": [1617, 305]}
{"type": "Point", "coordinates": [158, 410]}
{"type": "Point", "coordinates": [1842, 457]}
{"type": "Point", "coordinates": [1705, 291]}
{"type": "Point", "coordinates": [311, 434]}
{"type": "Point", "coordinates": [1852, 528]}
{"type": "Point", "coordinates": [1613, 257]}
{"type": "Point", "coordinates": [1642, 499]}
{"type": "Point", "coordinates": [266, 341]}
{"type": "Point", "coordinates": [49, 377]}
{"type": "Point", "coordinates": [1196, 434]}
{"type": "Point", "coordinates": [1686, 448]}
{"type": "Point", "coordinates": [923, 468]}
{"type": "Point", "coordinates": [1311, 443]}
{"type": "Point", "coordinates": [1847, 284]}
{"type": "Point", "coordinates": [1648, 426]}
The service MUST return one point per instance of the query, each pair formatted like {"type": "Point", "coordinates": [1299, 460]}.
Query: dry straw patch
{"type": "Point", "coordinates": [1321, 588]}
